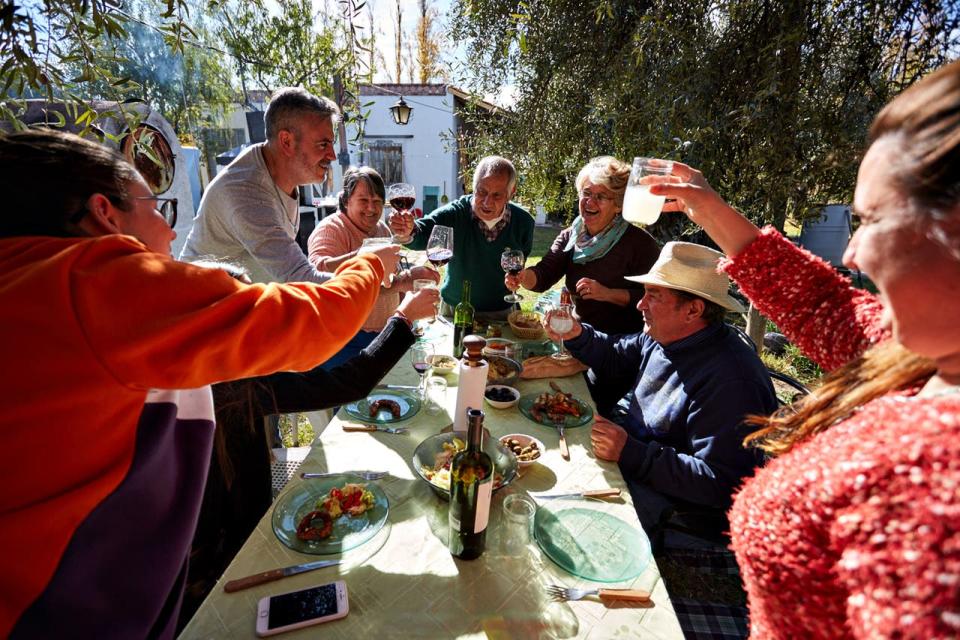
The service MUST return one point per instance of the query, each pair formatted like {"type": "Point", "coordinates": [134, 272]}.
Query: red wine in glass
{"type": "Point", "coordinates": [402, 203]}
{"type": "Point", "coordinates": [439, 257]}
{"type": "Point", "coordinates": [421, 367]}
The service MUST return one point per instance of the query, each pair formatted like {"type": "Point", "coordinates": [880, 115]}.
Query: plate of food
{"type": "Point", "coordinates": [503, 370]}
{"type": "Point", "coordinates": [431, 461]}
{"type": "Point", "coordinates": [329, 515]}
{"type": "Point", "coordinates": [384, 407]}
{"type": "Point", "coordinates": [550, 408]}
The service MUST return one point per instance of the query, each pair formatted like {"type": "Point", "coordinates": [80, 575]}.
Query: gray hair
{"type": "Point", "coordinates": [352, 179]}
{"type": "Point", "coordinates": [495, 166]}
{"type": "Point", "coordinates": [608, 172]}
{"type": "Point", "coordinates": [289, 104]}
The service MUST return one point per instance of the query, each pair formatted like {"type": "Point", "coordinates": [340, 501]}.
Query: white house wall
{"type": "Point", "coordinates": [428, 159]}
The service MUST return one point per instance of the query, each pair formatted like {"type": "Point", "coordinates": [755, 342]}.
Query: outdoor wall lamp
{"type": "Point", "coordinates": [401, 111]}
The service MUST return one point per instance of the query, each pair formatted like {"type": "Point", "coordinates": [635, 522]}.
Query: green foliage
{"type": "Point", "coordinates": [67, 51]}
{"type": "Point", "coordinates": [189, 85]}
{"type": "Point", "coordinates": [169, 54]}
{"type": "Point", "coordinates": [794, 364]}
{"type": "Point", "coordinates": [770, 100]}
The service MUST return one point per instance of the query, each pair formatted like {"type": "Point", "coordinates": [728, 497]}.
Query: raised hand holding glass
{"type": "Point", "coordinates": [401, 197]}
{"type": "Point", "coordinates": [511, 260]}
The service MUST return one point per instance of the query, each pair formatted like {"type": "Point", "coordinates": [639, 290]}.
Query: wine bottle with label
{"type": "Point", "coordinates": [462, 320]}
{"type": "Point", "coordinates": [471, 488]}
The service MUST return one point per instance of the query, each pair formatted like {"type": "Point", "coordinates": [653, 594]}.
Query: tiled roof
{"type": "Point", "coordinates": [403, 89]}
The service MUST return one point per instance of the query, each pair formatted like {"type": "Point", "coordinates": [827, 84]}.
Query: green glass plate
{"type": "Point", "coordinates": [360, 410]}
{"type": "Point", "coordinates": [539, 348]}
{"type": "Point", "coordinates": [591, 544]}
{"type": "Point", "coordinates": [526, 408]}
{"type": "Point", "coordinates": [348, 532]}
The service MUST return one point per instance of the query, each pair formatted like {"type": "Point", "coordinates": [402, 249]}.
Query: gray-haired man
{"type": "Point", "coordinates": [250, 213]}
{"type": "Point", "coordinates": [484, 224]}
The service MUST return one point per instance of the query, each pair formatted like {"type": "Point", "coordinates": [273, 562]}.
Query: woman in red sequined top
{"type": "Point", "coordinates": [853, 529]}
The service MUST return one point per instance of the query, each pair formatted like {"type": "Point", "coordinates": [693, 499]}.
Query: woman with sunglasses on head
{"type": "Point", "coordinates": [853, 529]}
{"type": "Point", "coordinates": [107, 420]}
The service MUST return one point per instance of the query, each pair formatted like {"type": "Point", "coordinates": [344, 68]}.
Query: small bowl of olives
{"type": "Point", "coordinates": [500, 396]}
{"type": "Point", "coordinates": [527, 448]}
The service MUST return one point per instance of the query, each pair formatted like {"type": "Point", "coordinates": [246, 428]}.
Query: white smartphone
{"type": "Point", "coordinates": [298, 609]}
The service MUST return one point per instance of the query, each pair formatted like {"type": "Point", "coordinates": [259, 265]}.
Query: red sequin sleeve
{"type": "Point", "coordinates": [821, 312]}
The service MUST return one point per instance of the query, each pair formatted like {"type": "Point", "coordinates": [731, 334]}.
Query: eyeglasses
{"type": "Point", "coordinates": [166, 206]}
{"type": "Point", "coordinates": [599, 198]}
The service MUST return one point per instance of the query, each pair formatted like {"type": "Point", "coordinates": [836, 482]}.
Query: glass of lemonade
{"type": "Point", "coordinates": [639, 206]}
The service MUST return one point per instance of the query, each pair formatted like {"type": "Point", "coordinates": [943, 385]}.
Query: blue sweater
{"type": "Point", "coordinates": [684, 415]}
{"type": "Point", "coordinates": [474, 258]}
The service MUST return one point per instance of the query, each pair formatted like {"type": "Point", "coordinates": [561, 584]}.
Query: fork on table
{"type": "Point", "coordinates": [556, 592]}
{"type": "Point", "coordinates": [366, 475]}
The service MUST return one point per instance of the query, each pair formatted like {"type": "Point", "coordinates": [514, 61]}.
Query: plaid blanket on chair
{"type": "Point", "coordinates": [710, 621]}
{"type": "Point", "coordinates": [700, 619]}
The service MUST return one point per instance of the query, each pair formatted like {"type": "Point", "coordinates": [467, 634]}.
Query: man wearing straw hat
{"type": "Point", "coordinates": [677, 433]}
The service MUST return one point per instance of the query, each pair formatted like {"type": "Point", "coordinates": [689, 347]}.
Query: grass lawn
{"type": "Point", "coordinates": [543, 238]}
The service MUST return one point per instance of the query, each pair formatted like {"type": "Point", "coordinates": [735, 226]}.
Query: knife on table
{"type": "Point", "coordinates": [592, 493]}
{"type": "Point", "coordinates": [396, 387]}
{"type": "Point", "coordinates": [276, 574]}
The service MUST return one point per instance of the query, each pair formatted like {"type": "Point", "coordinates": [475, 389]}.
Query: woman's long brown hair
{"type": "Point", "coordinates": [881, 369]}
{"type": "Point", "coordinates": [926, 120]}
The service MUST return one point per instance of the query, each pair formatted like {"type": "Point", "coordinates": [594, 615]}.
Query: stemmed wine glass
{"type": "Point", "coordinates": [511, 260]}
{"type": "Point", "coordinates": [420, 358]}
{"type": "Point", "coordinates": [440, 246]}
{"type": "Point", "coordinates": [561, 321]}
{"type": "Point", "coordinates": [440, 252]}
{"type": "Point", "coordinates": [401, 197]}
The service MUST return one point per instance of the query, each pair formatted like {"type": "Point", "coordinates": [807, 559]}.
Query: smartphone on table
{"type": "Point", "coordinates": [298, 609]}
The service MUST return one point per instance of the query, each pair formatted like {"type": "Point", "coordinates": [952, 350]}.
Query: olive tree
{"type": "Point", "coordinates": [770, 99]}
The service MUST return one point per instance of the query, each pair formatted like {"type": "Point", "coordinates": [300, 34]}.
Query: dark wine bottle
{"type": "Point", "coordinates": [462, 320]}
{"type": "Point", "coordinates": [471, 487]}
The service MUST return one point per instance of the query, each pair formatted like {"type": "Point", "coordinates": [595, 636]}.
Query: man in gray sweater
{"type": "Point", "coordinates": [250, 213]}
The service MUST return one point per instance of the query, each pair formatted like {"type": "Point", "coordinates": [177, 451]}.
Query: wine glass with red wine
{"type": "Point", "coordinates": [401, 197]}
{"type": "Point", "coordinates": [511, 260]}
{"type": "Point", "coordinates": [420, 359]}
{"type": "Point", "coordinates": [440, 246]}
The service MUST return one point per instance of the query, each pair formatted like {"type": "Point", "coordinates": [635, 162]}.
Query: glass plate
{"type": "Point", "coordinates": [591, 544]}
{"type": "Point", "coordinates": [539, 348]}
{"type": "Point", "coordinates": [586, 413]}
{"type": "Point", "coordinates": [348, 532]}
{"type": "Point", "coordinates": [360, 410]}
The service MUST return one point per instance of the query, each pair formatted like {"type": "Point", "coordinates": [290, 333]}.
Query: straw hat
{"type": "Point", "coordinates": [692, 268]}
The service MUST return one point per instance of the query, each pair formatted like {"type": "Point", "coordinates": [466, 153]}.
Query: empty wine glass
{"type": "Point", "coordinates": [401, 197]}
{"type": "Point", "coordinates": [440, 246]}
{"type": "Point", "coordinates": [426, 283]}
{"type": "Point", "coordinates": [511, 260]}
{"type": "Point", "coordinates": [561, 321]}
{"type": "Point", "coordinates": [420, 359]}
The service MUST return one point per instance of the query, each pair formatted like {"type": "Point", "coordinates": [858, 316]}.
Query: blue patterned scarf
{"type": "Point", "coordinates": [587, 248]}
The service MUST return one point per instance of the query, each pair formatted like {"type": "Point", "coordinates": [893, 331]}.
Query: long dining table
{"type": "Point", "coordinates": [404, 583]}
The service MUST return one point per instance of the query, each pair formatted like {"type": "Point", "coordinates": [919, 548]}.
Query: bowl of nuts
{"type": "Point", "coordinates": [527, 448]}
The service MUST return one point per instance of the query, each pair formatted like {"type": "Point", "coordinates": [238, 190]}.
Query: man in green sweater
{"type": "Point", "coordinates": [484, 224]}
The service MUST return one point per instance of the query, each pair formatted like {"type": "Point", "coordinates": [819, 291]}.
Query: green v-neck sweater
{"type": "Point", "coordinates": [474, 258]}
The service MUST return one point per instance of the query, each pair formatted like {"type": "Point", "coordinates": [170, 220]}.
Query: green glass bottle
{"type": "Point", "coordinates": [462, 320]}
{"type": "Point", "coordinates": [471, 487]}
